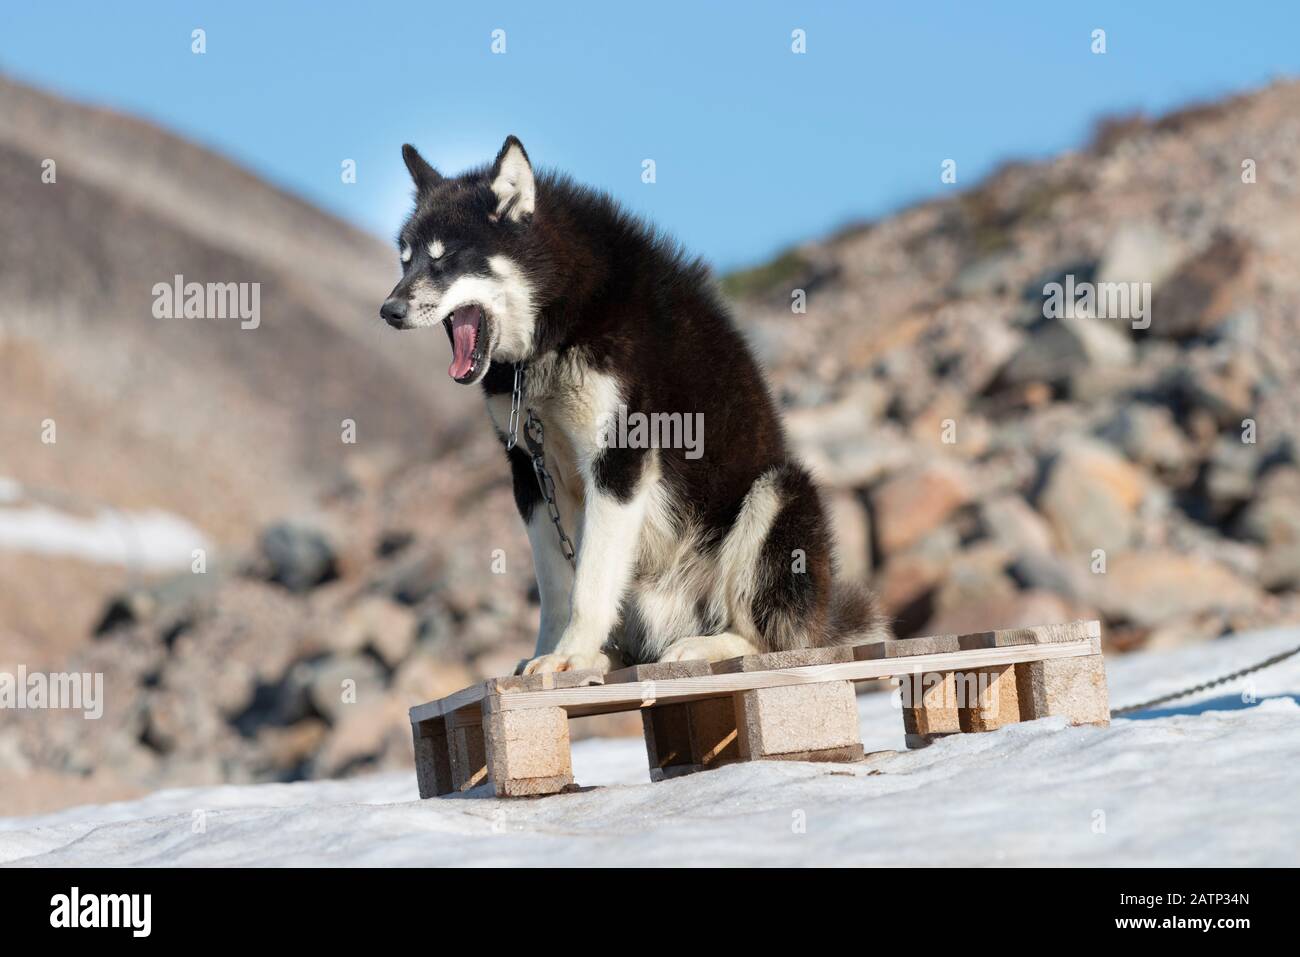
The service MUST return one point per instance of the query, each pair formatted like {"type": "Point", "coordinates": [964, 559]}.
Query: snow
{"type": "Point", "coordinates": [150, 541]}
{"type": "Point", "coordinates": [1208, 780]}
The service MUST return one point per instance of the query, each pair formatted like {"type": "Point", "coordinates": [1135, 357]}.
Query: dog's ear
{"type": "Point", "coordinates": [513, 183]}
{"type": "Point", "coordinates": [425, 176]}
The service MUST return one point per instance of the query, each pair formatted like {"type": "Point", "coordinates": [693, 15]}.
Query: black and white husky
{"type": "Point", "coordinates": [709, 551]}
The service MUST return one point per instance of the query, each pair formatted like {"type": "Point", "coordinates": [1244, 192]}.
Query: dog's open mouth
{"type": "Point", "coordinates": [467, 329]}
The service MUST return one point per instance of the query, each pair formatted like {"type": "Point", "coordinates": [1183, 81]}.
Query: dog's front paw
{"type": "Point", "coordinates": [547, 664]}
{"type": "Point", "coordinates": [709, 648]}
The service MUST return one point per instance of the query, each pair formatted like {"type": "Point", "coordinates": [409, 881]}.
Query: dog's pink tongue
{"type": "Point", "coordinates": [464, 336]}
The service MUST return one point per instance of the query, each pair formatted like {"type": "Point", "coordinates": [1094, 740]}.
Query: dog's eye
{"type": "Point", "coordinates": [406, 253]}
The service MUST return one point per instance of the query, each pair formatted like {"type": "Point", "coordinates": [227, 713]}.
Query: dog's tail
{"type": "Point", "coordinates": [855, 616]}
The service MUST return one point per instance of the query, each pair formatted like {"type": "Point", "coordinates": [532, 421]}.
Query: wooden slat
{"type": "Point", "coordinates": [470, 698]}
{"type": "Point", "coordinates": [599, 699]}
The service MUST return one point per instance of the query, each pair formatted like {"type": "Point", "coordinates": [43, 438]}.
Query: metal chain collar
{"type": "Point", "coordinates": [535, 440]}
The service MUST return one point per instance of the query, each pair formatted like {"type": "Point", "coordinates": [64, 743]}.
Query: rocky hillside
{"type": "Point", "coordinates": [988, 462]}
{"type": "Point", "coordinates": [225, 427]}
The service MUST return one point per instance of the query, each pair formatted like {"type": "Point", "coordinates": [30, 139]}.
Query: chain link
{"type": "Point", "coordinates": [535, 440]}
{"type": "Point", "coordinates": [1174, 696]}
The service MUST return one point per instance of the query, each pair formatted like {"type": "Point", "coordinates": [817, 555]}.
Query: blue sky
{"type": "Point", "coordinates": [755, 147]}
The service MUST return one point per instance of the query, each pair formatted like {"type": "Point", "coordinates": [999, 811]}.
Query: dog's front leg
{"type": "Point", "coordinates": [554, 577]}
{"type": "Point", "coordinates": [615, 507]}
{"type": "Point", "coordinates": [554, 573]}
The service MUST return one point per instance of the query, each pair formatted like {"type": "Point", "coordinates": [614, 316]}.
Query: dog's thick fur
{"type": "Point", "coordinates": [714, 556]}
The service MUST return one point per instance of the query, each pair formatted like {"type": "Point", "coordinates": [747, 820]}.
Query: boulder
{"type": "Point", "coordinates": [994, 611]}
{"type": "Point", "coordinates": [852, 531]}
{"type": "Point", "coordinates": [1273, 517]}
{"type": "Point", "coordinates": [1090, 497]}
{"type": "Point", "coordinates": [297, 557]}
{"type": "Point", "coordinates": [1139, 252]}
{"type": "Point", "coordinates": [1057, 351]}
{"type": "Point", "coordinates": [1011, 520]}
{"type": "Point", "coordinates": [908, 505]}
{"type": "Point", "coordinates": [1151, 587]}
{"type": "Point", "coordinates": [1204, 291]}
{"type": "Point", "coordinates": [338, 685]}
{"type": "Point", "coordinates": [379, 623]}
{"type": "Point", "coordinates": [1149, 436]}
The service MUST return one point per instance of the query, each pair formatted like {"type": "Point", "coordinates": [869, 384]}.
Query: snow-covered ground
{"type": "Point", "coordinates": [150, 541]}
{"type": "Point", "coordinates": [1210, 780]}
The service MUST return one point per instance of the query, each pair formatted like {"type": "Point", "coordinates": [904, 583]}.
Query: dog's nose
{"type": "Point", "coordinates": [393, 312]}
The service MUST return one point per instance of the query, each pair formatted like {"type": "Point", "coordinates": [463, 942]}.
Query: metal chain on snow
{"type": "Point", "coordinates": [535, 440]}
{"type": "Point", "coordinates": [1174, 696]}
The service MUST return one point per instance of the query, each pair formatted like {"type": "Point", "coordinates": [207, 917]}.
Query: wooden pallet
{"type": "Point", "coordinates": [791, 705]}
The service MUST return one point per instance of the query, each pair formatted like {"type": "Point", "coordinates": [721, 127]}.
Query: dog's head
{"type": "Point", "coordinates": [463, 255]}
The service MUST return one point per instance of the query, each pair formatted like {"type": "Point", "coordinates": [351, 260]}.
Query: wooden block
{"type": "Point", "coordinates": [929, 698]}
{"type": "Point", "coordinates": [929, 707]}
{"type": "Point", "coordinates": [667, 732]}
{"type": "Point", "coordinates": [527, 750]}
{"type": "Point", "coordinates": [658, 671]}
{"type": "Point", "coordinates": [512, 684]}
{"type": "Point", "coordinates": [1073, 687]}
{"type": "Point", "coordinates": [907, 648]}
{"type": "Point", "coordinates": [687, 737]}
{"type": "Point", "coordinates": [1036, 635]}
{"type": "Point", "coordinates": [432, 762]}
{"type": "Point", "coordinates": [795, 658]}
{"type": "Point", "coordinates": [715, 732]}
{"type": "Point", "coordinates": [987, 698]}
{"type": "Point", "coordinates": [795, 721]}
{"type": "Point", "coordinates": [466, 751]}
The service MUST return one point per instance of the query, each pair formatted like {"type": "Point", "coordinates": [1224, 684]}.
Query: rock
{"type": "Point", "coordinates": [852, 531]}
{"type": "Point", "coordinates": [286, 749]}
{"type": "Point", "coordinates": [177, 721]}
{"type": "Point", "coordinates": [1274, 515]}
{"type": "Point", "coordinates": [975, 578]}
{"type": "Point", "coordinates": [1204, 291]}
{"type": "Point", "coordinates": [857, 461]}
{"type": "Point", "coordinates": [168, 606]}
{"type": "Point", "coordinates": [1009, 519]}
{"type": "Point", "coordinates": [299, 558]}
{"type": "Point", "coordinates": [1181, 632]}
{"type": "Point", "coordinates": [908, 505]}
{"type": "Point", "coordinates": [376, 622]}
{"type": "Point", "coordinates": [1154, 586]}
{"type": "Point", "coordinates": [1149, 436]}
{"type": "Point", "coordinates": [990, 612]}
{"type": "Point", "coordinates": [340, 684]}
{"type": "Point", "coordinates": [1225, 386]}
{"type": "Point", "coordinates": [361, 735]}
{"type": "Point", "coordinates": [1091, 497]}
{"type": "Point", "coordinates": [1230, 477]}
{"type": "Point", "coordinates": [906, 579]}
{"type": "Point", "coordinates": [1058, 351]}
{"type": "Point", "coordinates": [1139, 252]}
{"type": "Point", "coordinates": [985, 276]}
{"type": "Point", "coordinates": [414, 579]}
{"type": "Point", "coordinates": [1048, 571]}
{"type": "Point", "coordinates": [848, 417]}
{"type": "Point", "coordinates": [1280, 568]}
{"type": "Point", "coordinates": [422, 677]}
